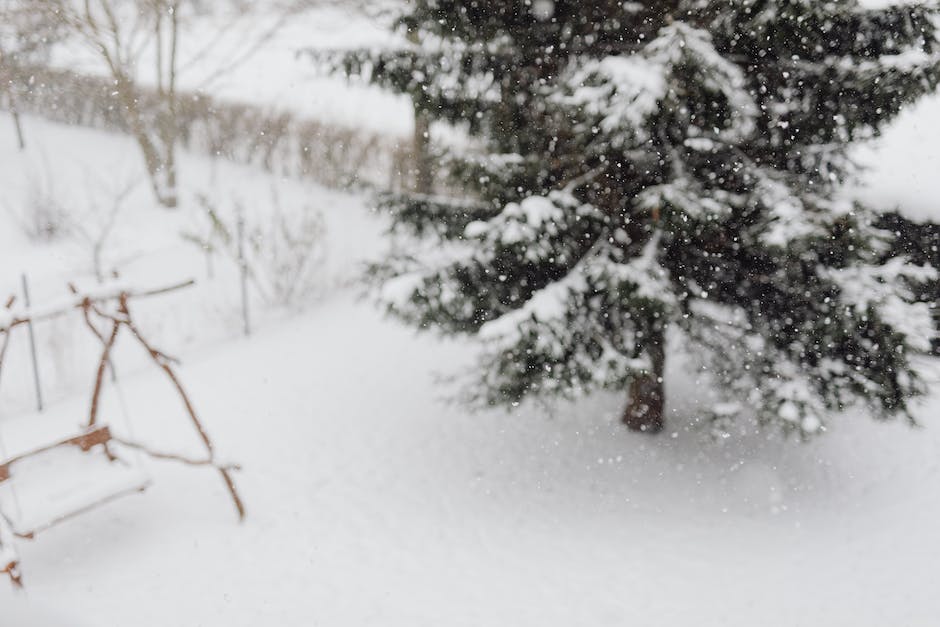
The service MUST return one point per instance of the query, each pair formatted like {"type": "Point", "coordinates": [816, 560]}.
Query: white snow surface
{"type": "Point", "coordinates": [902, 165]}
{"type": "Point", "coordinates": [372, 502]}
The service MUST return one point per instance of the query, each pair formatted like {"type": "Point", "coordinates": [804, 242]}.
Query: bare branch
{"type": "Point", "coordinates": [190, 461]}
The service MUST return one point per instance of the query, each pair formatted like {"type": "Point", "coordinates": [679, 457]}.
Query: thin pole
{"type": "Point", "coordinates": [32, 345]}
{"type": "Point", "coordinates": [14, 112]}
{"type": "Point", "coordinates": [17, 125]}
{"type": "Point", "coordinates": [243, 267]}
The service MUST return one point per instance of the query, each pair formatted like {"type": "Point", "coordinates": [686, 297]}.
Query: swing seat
{"type": "Point", "coordinates": [46, 486]}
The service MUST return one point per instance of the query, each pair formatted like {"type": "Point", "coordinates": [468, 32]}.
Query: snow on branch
{"type": "Point", "coordinates": [624, 91]}
{"type": "Point", "coordinates": [111, 291]}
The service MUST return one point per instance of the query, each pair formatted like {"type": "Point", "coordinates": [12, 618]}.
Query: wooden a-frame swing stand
{"type": "Point", "coordinates": [105, 314]}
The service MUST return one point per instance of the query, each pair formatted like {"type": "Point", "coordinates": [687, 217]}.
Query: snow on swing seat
{"type": "Point", "coordinates": [55, 483]}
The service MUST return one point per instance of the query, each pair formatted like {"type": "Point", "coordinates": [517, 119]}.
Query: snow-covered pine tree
{"type": "Point", "coordinates": [637, 171]}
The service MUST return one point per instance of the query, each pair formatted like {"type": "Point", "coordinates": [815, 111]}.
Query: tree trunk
{"type": "Point", "coordinates": [7, 76]}
{"type": "Point", "coordinates": [170, 130]}
{"type": "Point", "coordinates": [171, 194]}
{"type": "Point", "coordinates": [20, 139]}
{"type": "Point", "coordinates": [15, 114]}
{"type": "Point", "coordinates": [153, 160]}
{"type": "Point", "coordinates": [423, 175]}
{"type": "Point", "coordinates": [160, 170]}
{"type": "Point", "coordinates": [647, 398]}
{"type": "Point", "coordinates": [156, 168]}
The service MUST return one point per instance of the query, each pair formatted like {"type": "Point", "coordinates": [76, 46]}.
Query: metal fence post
{"type": "Point", "coordinates": [32, 345]}
{"type": "Point", "coordinates": [243, 268]}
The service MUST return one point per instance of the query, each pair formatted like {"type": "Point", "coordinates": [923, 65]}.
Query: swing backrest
{"type": "Point", "coordinates": [48, 485]}
{"type": "Point", "coordinates": [84, 441]}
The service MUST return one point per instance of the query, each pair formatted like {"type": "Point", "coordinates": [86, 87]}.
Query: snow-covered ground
{"type": "Point", "coordinates": [372, 502]}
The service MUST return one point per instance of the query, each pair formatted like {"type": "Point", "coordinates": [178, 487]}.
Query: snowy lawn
{"type": "Point", "coordinates": [372, 502]}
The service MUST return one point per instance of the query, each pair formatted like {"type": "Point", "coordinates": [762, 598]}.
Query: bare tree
{"type": "Point", "coordinates": [6, 90]}
{"type": "Point", "coordinates": [118, 32]}
{"type": "Point", "coordinates": [94, 227]}
{"type": "Point", "coordinates": [122, 33]}
{"type": "Point", "coordinates": [25, 38]}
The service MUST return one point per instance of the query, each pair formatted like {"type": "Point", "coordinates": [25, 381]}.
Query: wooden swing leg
{"type": "Point", "coordinates": [164, 363]}
{"type": "Point", "coordinates": [108, 344]}
{"type": "Point", "coordinates": [204, 436]}
{"type": "Point", "coordinates": [103, 363]}
{"type": "Point", "coordinates": [12, 570]}
{"type": "Point", "coordinates": [236, 499]}
{"type": "Point", "coordinates": [9, 564]}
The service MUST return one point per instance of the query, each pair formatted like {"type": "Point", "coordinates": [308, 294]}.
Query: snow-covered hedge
{"type": "Point", "coordinates": [277, 141]}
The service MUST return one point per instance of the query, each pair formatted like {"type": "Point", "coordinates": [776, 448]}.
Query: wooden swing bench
{"type": "Point", "coordinates": [96, 449]}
